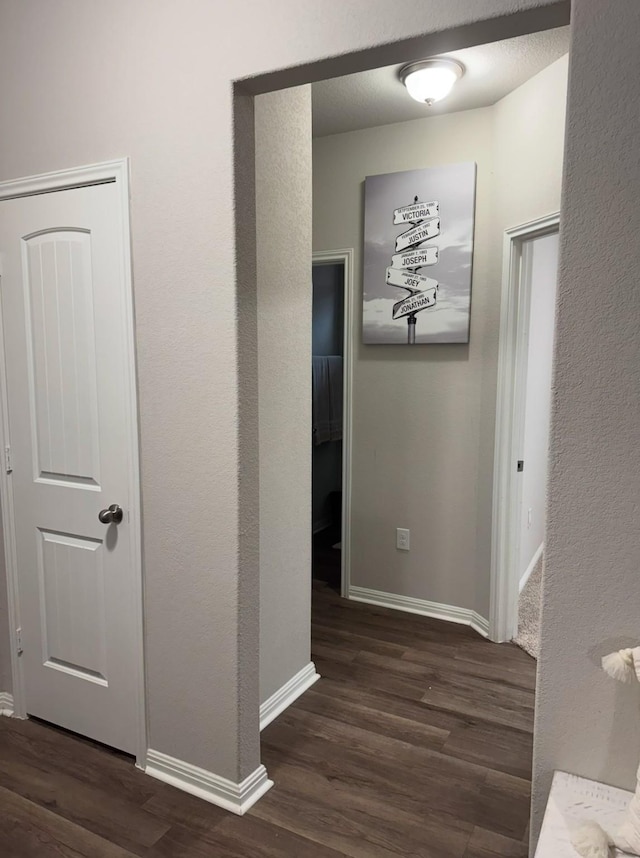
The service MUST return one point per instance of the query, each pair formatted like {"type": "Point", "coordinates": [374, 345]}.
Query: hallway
{"type": "Point", "coordinates": [416, 741]}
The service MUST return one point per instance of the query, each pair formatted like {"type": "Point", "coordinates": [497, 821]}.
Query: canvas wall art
{"type": "Point", "coordinates": [418, 252]}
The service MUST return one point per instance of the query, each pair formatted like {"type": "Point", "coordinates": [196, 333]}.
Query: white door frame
{"type": "Point", "coordinates": [512, 363]}
{"type": "Point", "coordinates": [96, 174]}
{"type": "Point", "coordinates": [344, 257]}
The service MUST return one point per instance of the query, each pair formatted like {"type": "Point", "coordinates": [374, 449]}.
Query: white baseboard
{"type": "Point", "coordinates": [463, 616]}
{"type": "Point", "coordinates": [237, 798]}
{"type": "Point", "coordinates": [290, 691]}
{"type": "Point", "coordinates": [6, 703]}
{"type": "Point", "coordinates": [478, 623]}
{"type": "Point", "coordinates": [531, 567]}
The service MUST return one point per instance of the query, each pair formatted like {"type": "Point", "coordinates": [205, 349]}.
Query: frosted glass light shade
{"type": "Point", "coordinates": [430, 80]}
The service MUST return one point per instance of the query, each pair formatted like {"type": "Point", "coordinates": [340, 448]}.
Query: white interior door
{"type": "Point", "coordinates": [540, 269]}
{"type": "Point", "coordinates": [65, 323]}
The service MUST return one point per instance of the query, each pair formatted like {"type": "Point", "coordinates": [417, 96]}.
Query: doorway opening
{"type": "Point", "coordinates": [522, 428]}
{"type": "Point", "coordinates": [331, 337]}
{"type": "Point", "coordinates": [421, 455]}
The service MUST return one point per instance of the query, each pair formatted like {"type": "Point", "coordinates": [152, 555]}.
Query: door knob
{"type": "Point", "coordinates": [113, 515]}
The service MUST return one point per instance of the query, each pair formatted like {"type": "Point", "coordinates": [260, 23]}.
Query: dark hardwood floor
{"type": "Point", "coordinates": [416, 742]}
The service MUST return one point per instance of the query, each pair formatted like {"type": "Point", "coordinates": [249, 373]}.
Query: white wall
{"type": "Point", "coordinates": [148, 80]}
{"type": "Point", "coordinates": [283, 146]}
{"type": "Point", "coordinates": [586, 723]}
{"type": "Point", "coordinates": [423, 418]}
{"type": "Point", "coordinates": [540, 266]}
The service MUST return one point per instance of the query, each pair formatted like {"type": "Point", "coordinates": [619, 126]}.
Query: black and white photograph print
{"type": "Point", "coordinates": [418, 252]}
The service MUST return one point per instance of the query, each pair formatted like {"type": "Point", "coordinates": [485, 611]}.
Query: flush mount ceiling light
{"type": "Point", "coordinates": [429, 81]}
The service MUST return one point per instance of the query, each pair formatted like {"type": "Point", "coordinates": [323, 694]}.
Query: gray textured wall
{"type": "Point", "coordinates": [283, 148]}
{"type": "Point", "coordinates": [86, 82]}
{"type": "Point", "coordinates": [586, 723]}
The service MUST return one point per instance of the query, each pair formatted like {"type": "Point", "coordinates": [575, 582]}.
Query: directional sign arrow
{"type": "Point", "coordinates": [414, 303]}
{"type": "Point", "coordinates": [410, 281]}
{"type": "Point", "coordinates": [415, 258]}
{"type": "Point", "coordinates": [418, 234]}
{"type": "Point", "coordinates": [416, 212]}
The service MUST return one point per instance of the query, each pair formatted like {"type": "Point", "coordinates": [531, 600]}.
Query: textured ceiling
{"type": "Point", "coordinates": [378, 98]}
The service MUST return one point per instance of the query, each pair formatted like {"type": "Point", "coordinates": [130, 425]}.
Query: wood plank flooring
{"type": "Point", "coordinates": [416, 742]}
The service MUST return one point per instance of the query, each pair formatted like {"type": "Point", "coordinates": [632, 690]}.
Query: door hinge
{"type": "Point", "coordinates": [7, 460]}
{"type": "Point", "coordinates": [520, 464]}
{"type": "Point", "coordinates": [19, 641]}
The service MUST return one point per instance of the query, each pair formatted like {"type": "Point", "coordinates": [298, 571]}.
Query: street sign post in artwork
{"type": "Point", "coordinates": [418, 234]}
{"type": "Point", "coordinates": [415, 212]}
{"type": "Point", "coordinates": [414, 303]}
{"type": "Point", "coordinates": [409, 280]}
{"type": "Point", "coordinates": [416, 258]}
{"type": "Point", "coordinates": [418, 223]}
{"type": "Point", "coordinates": [409, 257]}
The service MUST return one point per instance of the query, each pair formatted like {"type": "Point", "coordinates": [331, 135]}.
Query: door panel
{"type": "Point", "coordinates": [72, 609]}
{"type": "Point", "coordinates": [62, 361]}
{"type": "Point", "coordinates": [63, 291]}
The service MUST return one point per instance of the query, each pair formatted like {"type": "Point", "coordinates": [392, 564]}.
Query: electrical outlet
{"type": "Point", "coordinates": [403, 537]}
{"type": "Point", "coordinates": [529, 516]}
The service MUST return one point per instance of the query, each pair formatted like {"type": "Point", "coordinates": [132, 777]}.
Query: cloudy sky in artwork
{"type": "Point", "coordinates": [453, 186]}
